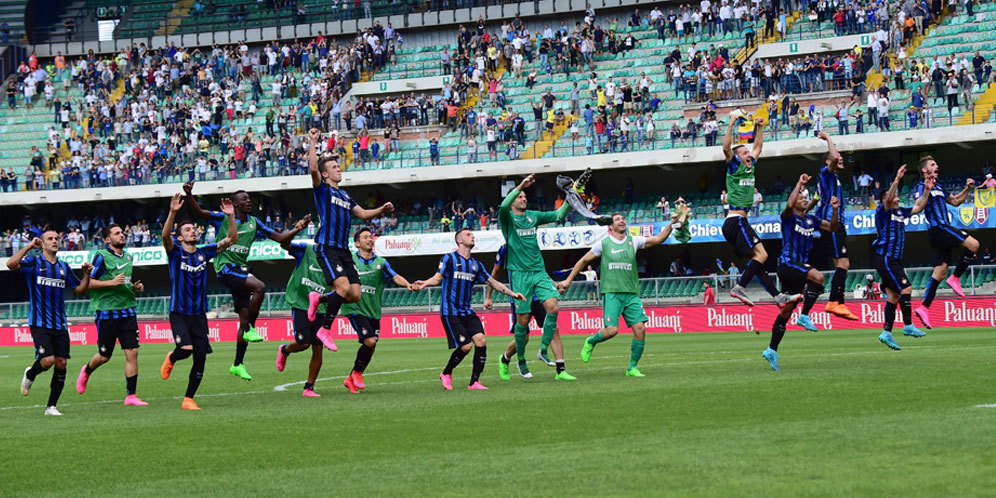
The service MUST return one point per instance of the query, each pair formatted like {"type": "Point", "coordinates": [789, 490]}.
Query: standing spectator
{"type": "Point", "coordinates": [708, 295]}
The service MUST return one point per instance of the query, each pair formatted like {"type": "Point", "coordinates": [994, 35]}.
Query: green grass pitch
{"type": "Point", "coordinates": [845, 417]}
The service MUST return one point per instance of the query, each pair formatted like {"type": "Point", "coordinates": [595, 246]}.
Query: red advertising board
{"type": "Point", "coordinates": [969, 312]}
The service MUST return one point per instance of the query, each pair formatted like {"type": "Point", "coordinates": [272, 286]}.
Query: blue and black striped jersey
{"type": "Point", "coordinates": [891, 226]}
{"type": "Point", "coordinates": [797, 237]}
{"type": "Point", "coordinates": [188, 272]}
{"type": "Point", "coordinates": [937, 205]}
{"type": "Point", "coordinates": [459, 276]}
{"type": "Point", "coordinates": [47, 283]}
{"type": "Point", "coordinates": [334, 208]}
{"type": "Point", "coordinates": [829, 186]}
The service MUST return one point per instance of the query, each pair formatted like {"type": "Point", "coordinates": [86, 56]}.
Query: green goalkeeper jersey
{"type": "Point", "coordinates": [618, 264]}
{"type": "Point", "coordinates": [740, 183]}
{"type": "Point", "coordinates": [107, 266]}
{"type": "Point", "coordinates": [520, 230]}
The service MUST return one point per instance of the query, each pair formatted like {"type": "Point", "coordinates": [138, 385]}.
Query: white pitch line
{"type": "Point", "coordinates": [669, 364]}
{"type": "Point", "coordinates": [991, 405]}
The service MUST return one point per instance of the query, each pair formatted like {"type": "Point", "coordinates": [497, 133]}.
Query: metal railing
{"type": "Point", "coordinates": [672, 290]}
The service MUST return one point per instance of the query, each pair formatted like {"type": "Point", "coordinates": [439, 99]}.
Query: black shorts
{"type": "Point", "coordinates": [792, 276]}
{"type": "Point", "coordinates": [234, 277]}
{"type": "Point", "coordinates": [836, 242]}
{"type": "Point", "coordinates": [942, 240]}
{"type": "Point", "coordinates": [50, 342]}
{"type": "Point", "coordinates": [123, 330]}
{"type": "Point", "coordinates": [892, 272]}
{"type": "Point", "coordinates": [537, 311]}
{"type": "Point", "coordinates": [365, 327]}
{"type": "Point", "coordinates": [461, 329]}
{"type": "Point", "coordinates": [306, 331]}
{"type": "Point", "coordinates": [739, 234]}
{"type": "Point", "coordinates": [191, 330]}
{"type": "Point", "coordinates": [337, 262]}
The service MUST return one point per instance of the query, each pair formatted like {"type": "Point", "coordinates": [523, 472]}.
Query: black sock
{"type": "Point", "coordinates": [335, 302]}
{"type": "Point", "coordinates": [756, 268]}
{"type": "Point", "coordinates": [777, 332]}
{"type": "Point", "coordinates": [35, 369]}
{"type": "Point", "coordinates": [813, 291]}
{"type": "Point", "coordinates": [363, 356]}
{"type": "Point", "coordinates": [240, 352]}
{"type": "Point", "coordinates": [966, 259]}
{"type": "Point", "coordinates": [904, 304]}
{"type": "Point", "coordinates": [890, 316]}
{"type": "Point", "coordinates": [504, 359]}
{"type": "Point", "coordinates": [749, 271]}
{"type": "Point", "coordinates": [560, 366]}
{"type": "Point", "coordinates": [196, 373]}
{"type": "Point", "coordinates": [308, 385]}
{"type": "Point", "coordinates": [130, 384]}
{"type": "Point", "coordinates": [928, 296]}
{"type": "Point", "coordinates": [455, 360]}
{"type": "Point", "coordinates": [253, 315]}
{"type": "Point", "coordinates": [58, 382]}
{"type": "Point", "coordinates": [179, 354]}
{"type": "Point", "coordinates": [480, 359]}
{"type": "Point", "coordinates": [837, 285]}
{"type": "Point", "coordinates": [283, 350]}
{"type": "Point", "coordinates": [87, 369]}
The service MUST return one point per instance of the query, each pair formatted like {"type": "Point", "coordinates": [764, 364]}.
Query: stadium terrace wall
{"type": "Point", "coordinates": [674, 319]}
{"type": "Point", "coordinates": [667, 160]}
{"type": "Point", "coordinates": [804, 47]}
{"type": "Point", "coordinates": [860, 222]}
{"type": "Point", "coordinates": [337, 28]}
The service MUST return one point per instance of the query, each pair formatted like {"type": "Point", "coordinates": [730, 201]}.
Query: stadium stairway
{"type": "Point", "coordinates": [983, 108]}
{"type": "Point", "coordinates": [179, 11]}
{"type": "Point", "coordinates": [874, 78]}
{"type": "Point", "coordinates": [548, 140]}
{"type": "Point", "coordinates": [744, 54]}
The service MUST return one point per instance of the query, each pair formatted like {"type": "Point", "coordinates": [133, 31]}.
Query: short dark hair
{"type": "Point", "coordinates": [237, 192]}
{"type": "Point", "coordinates": [923, 162]}
{"type": "Point", "coordinates": [106, 231]}
{"type": "Point", "coordinates": [324, 161]}
{"type": "Point", "coordinates": [458, 232]}
{"type": "Point", "coordinates": [356, 236]}
{"type": "Point", "coordinates": [735, 147]}
{"type": "Point", "coordinates": [185, 221]}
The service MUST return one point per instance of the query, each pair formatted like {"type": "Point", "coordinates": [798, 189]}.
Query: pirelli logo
{"type": "Point", "coordinates": [51, 282]}
{"type": "Point", "coordinates": [621, 266]}
{"type": "Point", "coordinates": [462, 275]}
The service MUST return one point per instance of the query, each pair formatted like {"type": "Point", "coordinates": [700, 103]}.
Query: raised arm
{"type": "Point", "coordinates": [526, 182]}
{"type": "Point", "coordinates": [921, 202]}
{"type": "Point", "coordinates": [588, 258]}
{"type": "Point", "coordinates": [313, 136]}
{"type": "Point", "coordinates": [794, 196]}
{"type": "Point", "coordinates": [287, 236]}
{"type": "Point", "coordinates": [728, 140]}
{"type": "Point", "coordinates": [195, 208]}
{"type": "Point", "coordinates": [167, 236]}
{"type": "Point", "coordinates": [894, 187]}
{"type": "Point", "coordinates": [14, 262]}
{"type": "Point", "coordinates": [369, 214]}
{"type": "Point", "coordinates": [834, 156]}
{"type": "Point", "coordinates": [758, 137]}
{"type": "Point", "coordinates": [665, 232]}
{"type": "Point", "coordinates": [233, 234]}
{"type": "Point", "coordinates": [960, 197]}
{"type": "Point", "coordinates": [832, 224]}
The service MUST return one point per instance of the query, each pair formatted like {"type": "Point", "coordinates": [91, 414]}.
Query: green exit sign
{"type": "Point", "coordinates": [793, 48]}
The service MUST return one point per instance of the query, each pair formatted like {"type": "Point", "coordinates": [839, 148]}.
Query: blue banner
{"type": "Point", "coordinates": [861, 222]}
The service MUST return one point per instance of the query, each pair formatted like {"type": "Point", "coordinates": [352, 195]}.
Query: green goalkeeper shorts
{"type": "Point", "coordinates": [531, 283]}
{"type": "Point", "coordinates": [627, 306]}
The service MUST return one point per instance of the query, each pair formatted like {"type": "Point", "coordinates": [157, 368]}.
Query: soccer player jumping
{"type": "Point", "coordinates": [835, 242]}
{"type": "Point", "coordinates": [890, 221]}
{"type": "Point", "coordinates": [620, 287]}
{"type": "Point", "coordinates": [740, 163]}
{"type": "Point", "coordinates": [793, 271]}
{"type": "Point", "coordinates": [458, 272]}
{"type": "Point", "coordinates": [335, 211]}
{"type": "Point", "coordinates": [47, 278]}
{"type": "Point", "coordinates": [943, 237]}
{"type": "Point", "coordinates": [527, 274]}
{"type": "Point", "coordinates": [232, 268]}
{"type": "Point", "coordinates": [188, 300]}
{"type": "Point", "coordinates": [112, 297]}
